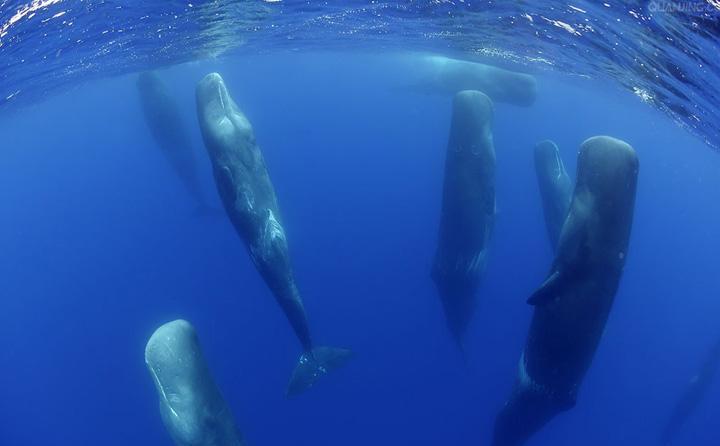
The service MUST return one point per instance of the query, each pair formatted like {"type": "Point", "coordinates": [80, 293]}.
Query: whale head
{"type": "Point", "coordinates": [548, 161]}
{"type": "Point", "coordinates": [607, 173]}
{"type": "Point", "coordinates": [607, 166]}
{"type": "Point", "coordinates": [222, 123]}
{"type": "Point", "coordinates": [212, 95]}
{"type": "Point", "coordinates": [471, 125]}
{"type": "Point", "coordinates": [173, 357]}
{"type": "Point", "coordinates": [191, 406]}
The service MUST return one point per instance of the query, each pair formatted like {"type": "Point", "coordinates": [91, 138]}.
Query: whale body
{"type": "Point", "coordinates": [468, 209]}
{"type": "Point", "coordinates": [572, 306]}
{"type": "Point", "coordinates": [435, 74]}
{"type": "Point", "coordinates": [249, 199]}
{"type": "Point", "coordinates": [166, 125]}
{"type": "Point", "coordinates": [191, 406]}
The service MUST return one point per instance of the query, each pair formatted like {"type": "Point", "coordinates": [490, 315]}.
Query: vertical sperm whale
{"type": "Point", "coordinates": [249, 199]}
{"type": "Point", "coordinates": [573, 304]}
{"type": "Point", "coordinates": [468, 209]}
{"type": "Point", "coordinates": [191, 406]}
{"type": "Point", "coordinates": [162, 115]}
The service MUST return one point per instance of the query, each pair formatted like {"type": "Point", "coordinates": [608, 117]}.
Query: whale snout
{"type": "Point", "coordinates": [546, 150]}
{"type": "Point", "coordinates": [473, 103]}
{"type": "Point", "coordinates": [223, 125]}
{"type": "Point", "coordinates": [610, 148]}
{"type": "Point", "coordinates": [191, 406]}
{"type": "Point", "coordinates": [173, 346]}
{"type": "Point", "coordinates": [605, 163]}
{"type": "Point", "coordinates": [212, 90]}
{"type": "Point", "coordinates": [212, 80]}
{"type": "Point", "coordinates": [471, 124]}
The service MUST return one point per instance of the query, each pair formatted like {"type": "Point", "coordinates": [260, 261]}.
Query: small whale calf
{"type": "Point", "coordinates": [468, 209]}
{"type": "Point", "coordinates": [555, 187]}
{"type": "Point", "coordinates": [166, 125]}
{"type": "Point", "coordinates": [574, 302]}
{"type": "Point", "coordinates": [249, 198]}
{"type": "Point", "coordinates": [191, 406]}
{"type": "Point", "coordinates": [442, 75]}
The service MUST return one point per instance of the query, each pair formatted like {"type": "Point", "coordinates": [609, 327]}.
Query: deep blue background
{"type": "Point", "coordinates": [100, 246]}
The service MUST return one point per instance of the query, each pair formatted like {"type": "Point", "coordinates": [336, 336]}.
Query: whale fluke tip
{"type": "Point", "coordinates": [312, 365]}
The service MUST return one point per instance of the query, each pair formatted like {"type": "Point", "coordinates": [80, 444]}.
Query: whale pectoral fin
{"type": "Point", "coordinates": [313, 365]}
{"type": "Point", "coordinates": [239, 199]}
{"type": "Point", "coordinates": [547, 291]}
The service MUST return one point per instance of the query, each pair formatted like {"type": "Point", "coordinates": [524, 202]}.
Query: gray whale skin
{"type": "Point", "coordinates": [435, 74]}
{"type": "Point", "coordinates": [191, 406]}
{"type": "Point", "coordinates": [574, 302]}
{"type": "Point", "coordinates": [165, 123]}
{"type": "Point", "coordinates": [468, 209]}
{"type": "Point", "coordinates": [249, 199]}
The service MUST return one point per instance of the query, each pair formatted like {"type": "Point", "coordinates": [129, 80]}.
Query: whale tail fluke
{"type": "Point", "coordinates": [459, 341]}
{"type": "Point", "coordinates": [312, 365]}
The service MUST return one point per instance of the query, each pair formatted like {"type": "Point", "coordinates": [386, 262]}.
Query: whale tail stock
{"type": "Point", "coordinates": [314, 364]}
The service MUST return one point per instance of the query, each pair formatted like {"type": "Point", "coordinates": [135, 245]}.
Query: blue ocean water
{"type": "Point", "coordinates": [101, 243]}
